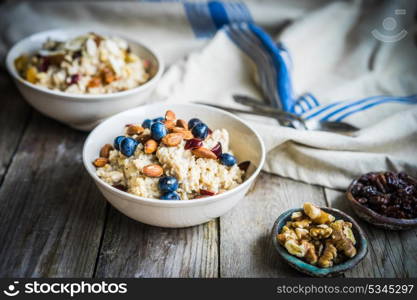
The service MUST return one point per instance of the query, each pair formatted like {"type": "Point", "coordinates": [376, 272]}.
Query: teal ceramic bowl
{"type": "Point", "coordinates": [302, 266]}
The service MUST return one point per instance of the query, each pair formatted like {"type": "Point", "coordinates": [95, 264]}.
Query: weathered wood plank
{"type": "Point", "coordinates": [246, 248]}
{"type": "Point", "coordinates": [391, 253]}
{"type": "Point", "coordinates": [14, 113]}
{"type": "Point", "coordinates": [133, 249]}
{"type": "Point", "coordinates": [51, 214]}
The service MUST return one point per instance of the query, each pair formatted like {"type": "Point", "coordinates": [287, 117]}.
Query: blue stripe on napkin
{"type": "Point", "coordinates": [207, 17]}
{"type": "Point", "coordinates": [337, 111]}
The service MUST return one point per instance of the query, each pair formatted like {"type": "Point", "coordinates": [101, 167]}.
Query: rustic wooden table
{"type": "Point", "coordinates": [55, 223]}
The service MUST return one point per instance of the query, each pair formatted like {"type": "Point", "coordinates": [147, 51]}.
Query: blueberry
{"type": "Point", "coordinates": [160, 119]}
{"type": "Point", "coordinates": [193, 122]}
{"type": "Point", "coordinates": [227, 159]}
{"type": "Point", "coordinates": [168, 184]}
{"type": "Point", "coordinates": [117, 142]}
{"type": "Point", "coordinates": [170, 196]}
{"type": "Point", "coordinates": [147, 123]}
{"type": "Point", "coordinates": [128, 146]}
{"type": "Point", "coordinates": [158, 131]}
{"type": "Point", "coordinates": [200, 130]}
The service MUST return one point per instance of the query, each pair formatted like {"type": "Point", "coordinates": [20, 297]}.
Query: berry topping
{"type": "Point", "coordinates": [170, 196]}
{"type": "Point", "coordinates": [128, 146]}
{"type": "Point", "coordinates": [227, 159]}
{"type": "Point", "coordinates": [158, 131]}
{"type": "Point", "coordinates": [200, 131]}
{"type": "Point", "coordinates": [117, 141]}
{"type": "Point", "coordinates": [193, 122]}
{"type": "Point", "coordinates": [168, 184]}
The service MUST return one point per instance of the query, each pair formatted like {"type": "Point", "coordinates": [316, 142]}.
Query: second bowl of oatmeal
{"type": "Point", "coordinates": [79, 77]}
{"type": "Point", "coordinates": [173, 165]}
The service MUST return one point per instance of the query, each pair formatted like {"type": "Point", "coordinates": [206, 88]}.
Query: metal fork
{"type": "Point", "coordinates": [295, 121]}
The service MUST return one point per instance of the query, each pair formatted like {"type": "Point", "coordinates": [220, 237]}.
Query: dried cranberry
{"type": "Point", "coordinates": [193, 144]}
{"type": "Point", "coordinates": [244, 165]}
{"type": "Point", "coordinates": [217, 149]}
{"type": "Point", "coordinates": [75, 78]}
{"type": "Point", "coordinates": [45, 63]}
{"type": "Point", "coordinates": [120, 187]}
{"type": "Point", "coordinates": [207, 193]}
{"type": "Point", "coordinates": [210, 131]}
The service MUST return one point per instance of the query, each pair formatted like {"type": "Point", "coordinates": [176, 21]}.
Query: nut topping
{"type": "Point", "coordinates": [170, 116]}
{"type": "Point", "coordinates": [150, 146]}
{"type": "Point", "coordinates": [169, 124]}
{"type": "Point", "coordinates": [204, 153]}
{"type": "Point", "coordinates": [172, 139]}
{"type": "Point", "coordinates": [182, 123]}
{"type": "Point", "coordinates": [100, 162]}
{"type": "Point", "coordinates": [153, 170]}
{"type": "Point", "coordinates": [143, 138]}
{"type": "Point", "coordinates": [134, 129]}
{"type": "Point", "coordinates": [105, 150]}
{"type": "Point", "coordinates": [186, 134]}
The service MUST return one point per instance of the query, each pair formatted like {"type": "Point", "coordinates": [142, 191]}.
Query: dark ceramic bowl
{"type": "Point", "coordinates": [375, 218]}
{"type": "Point", "coordinates": [302, 266]}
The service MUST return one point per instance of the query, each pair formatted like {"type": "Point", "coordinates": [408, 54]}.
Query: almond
{"type": "Point", "coordinates": [134, 129]}
{"type": "Point", "coordinates": [153, 170]}
{"type": "Point", "coordinates": [169, 124]}
{"type": "Point", "coordinates": [172, 139]}
{"type": "Point", "coordinates": [178, 129]}
{"type": "Point", "coordinates": [182, 123]}
{"type": "Point", "coordinates": [105, 150]}
{"type": "Point", "coordinates": [186, 134]}
{"type": "Point", "coordinates": [100, 162]}
{"type": "Point", "coordinates": [150, 146]}
{"type": "Point", "coordinates": [143, 138]}
{"type": "Point", "coordinates": [170, 115]}
{"type": "Point", "coordinates": [204, 153]}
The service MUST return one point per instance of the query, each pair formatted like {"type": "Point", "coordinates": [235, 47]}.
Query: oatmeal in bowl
{"type": "Point", "coordinates": [81, 78]}
{"type": "Point", "coordinates": [174, 165]}
{"type": "Point", "coordinates": [171, 159]}
{"type": "Point", "coordinates": [86, 64]}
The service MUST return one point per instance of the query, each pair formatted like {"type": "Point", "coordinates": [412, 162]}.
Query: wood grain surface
{"type": "Point", "coordinates": [55, 223]}
{"type": "Point", "coordinates": [51, 214]}
{"type": "Point", "coordinates": [132, 249]}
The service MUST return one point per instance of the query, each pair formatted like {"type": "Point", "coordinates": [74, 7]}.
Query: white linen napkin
{"type": "Point", "coordinates": [333, 55]}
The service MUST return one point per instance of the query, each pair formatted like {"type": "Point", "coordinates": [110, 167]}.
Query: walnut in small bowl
{"type": "Point", "coordinates": [320, 242]}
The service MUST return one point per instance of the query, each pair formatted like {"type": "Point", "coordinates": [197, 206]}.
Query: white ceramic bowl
{"type": "Point", "coordinates": [244, 141]}
{"type": "Point", "coordinates": [81, 111]}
